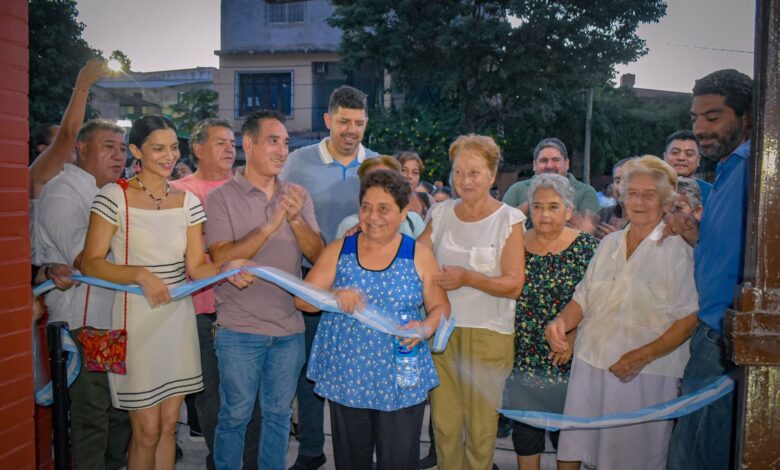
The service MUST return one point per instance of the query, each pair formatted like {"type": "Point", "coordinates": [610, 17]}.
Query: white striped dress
{"type": "Point", "coordinates": [163, 357]}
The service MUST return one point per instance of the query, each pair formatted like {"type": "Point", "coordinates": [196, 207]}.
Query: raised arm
{"type": "Point", "coordinates": [50, 162]}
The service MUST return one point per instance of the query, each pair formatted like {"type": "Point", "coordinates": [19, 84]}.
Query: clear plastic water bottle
{"type": "Point", "coordinates": [407, 369]}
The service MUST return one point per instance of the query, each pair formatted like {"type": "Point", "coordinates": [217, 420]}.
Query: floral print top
{"type": "Point", "coordinates": [354, 365]}
{"type": "Point", "coordinates": [549, 285]}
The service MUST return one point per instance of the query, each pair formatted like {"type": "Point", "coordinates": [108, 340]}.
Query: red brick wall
{"type": "Point", "coordinates": [17, 426]}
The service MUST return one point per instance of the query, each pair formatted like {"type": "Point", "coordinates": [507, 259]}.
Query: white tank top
{"type": "Point", "coordinates": [476, 246]}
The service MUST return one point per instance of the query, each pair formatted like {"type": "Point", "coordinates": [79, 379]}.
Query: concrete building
{"type": "Point", "coordinates": [284, 56]}
{"type": "Point", "coordinates": [131, 95]}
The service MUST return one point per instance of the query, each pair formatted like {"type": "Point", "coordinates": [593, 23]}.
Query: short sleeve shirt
{"type": "Point", "coordinates": [61, 226]}
{"type": "Point", "coordinates": [628, 303]}
{"type": "Point", "coordinates": [334, 188]}
{"type": "Point", "coordinates": [477, 246]}
{"type": "Point", "coordinates": [235, 209]}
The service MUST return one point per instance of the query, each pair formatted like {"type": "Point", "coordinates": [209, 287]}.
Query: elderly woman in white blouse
{"type": "Point", "coordinates": [635, 310]}
{"type": "Point", "coordinates": [479, 243]}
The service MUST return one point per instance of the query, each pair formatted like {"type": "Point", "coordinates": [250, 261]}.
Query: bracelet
{"type": "Point", "coordinates": [46, 271]}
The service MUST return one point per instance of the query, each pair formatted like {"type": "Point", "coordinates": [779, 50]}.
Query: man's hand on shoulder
{"type": "Point", "coordinates": [679, 223]}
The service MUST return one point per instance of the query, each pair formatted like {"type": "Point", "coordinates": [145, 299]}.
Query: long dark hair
{"type": "Point", "coordinates": [144, 127]}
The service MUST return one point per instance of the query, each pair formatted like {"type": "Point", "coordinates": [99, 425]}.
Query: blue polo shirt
{"type": "Point", "coordinates": [334, 188]}
{"type": "Point", "coordinates": [720, 253]}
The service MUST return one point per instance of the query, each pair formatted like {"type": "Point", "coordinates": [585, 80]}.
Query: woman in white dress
{"type": "Point", "coordinates": [155, 235]}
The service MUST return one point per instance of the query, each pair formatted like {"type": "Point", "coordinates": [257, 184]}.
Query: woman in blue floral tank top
{"type": "Point", "coordinates": [354, 366]}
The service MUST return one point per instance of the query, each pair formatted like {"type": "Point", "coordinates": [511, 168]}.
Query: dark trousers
{"type": "Point", "coordinates": [207, 402]}
{"type": "Point", "coordinates": [704, 439]}
{"type": "Point", "coordinates": [394, 434]}
{"type": "Point", "coordinates": [99, 432]}
{"type": "Point", "coordinates": [311, 407]}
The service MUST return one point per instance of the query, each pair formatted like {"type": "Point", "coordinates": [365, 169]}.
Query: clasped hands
{"type": "Point", "coordinates": [288, 207]}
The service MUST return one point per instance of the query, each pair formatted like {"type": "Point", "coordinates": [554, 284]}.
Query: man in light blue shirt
{"type": "Point", "coordinates": [721, 121]}
{"type": "Point", "coordinates": [327, 170]}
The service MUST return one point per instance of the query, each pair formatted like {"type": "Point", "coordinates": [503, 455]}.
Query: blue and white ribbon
{"type": "Point", "coordinates": [45, 396]}
{"type": "Point", "coordinates": [371, 316]}
{"type": "Point", "coordinates": [680, 406]}
{"type": "Point", "coordinates": [376, 318]}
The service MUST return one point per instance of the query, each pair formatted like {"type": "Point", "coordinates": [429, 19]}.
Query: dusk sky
{"type": "Point", "coordinates": [694, 38]}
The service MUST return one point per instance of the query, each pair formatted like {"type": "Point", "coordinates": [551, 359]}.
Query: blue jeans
{"type": "Point", "coordinates": [207, 401]}
{"type": "Point", "coordinates": [311, 407]}
{"type": "Point", "coordinates": [255, 367]}
{"type": "Point", "coordinates": [703, 439]}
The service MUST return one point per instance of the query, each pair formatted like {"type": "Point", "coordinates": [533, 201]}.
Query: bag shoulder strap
{"type": "Point", "coordinates": [123, 184]}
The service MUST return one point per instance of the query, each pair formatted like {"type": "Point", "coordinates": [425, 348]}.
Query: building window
{"type": "Point", "coordinates": [264, 91]}
{"type": "Point", "coordinates": [285, 12]}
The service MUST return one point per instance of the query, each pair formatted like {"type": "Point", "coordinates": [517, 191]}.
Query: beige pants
{"type": "Point", "coordinates": [472, 371]}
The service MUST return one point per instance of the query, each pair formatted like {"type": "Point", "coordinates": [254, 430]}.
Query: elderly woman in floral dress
{"type": "Point", "coordinates": [556, 257]}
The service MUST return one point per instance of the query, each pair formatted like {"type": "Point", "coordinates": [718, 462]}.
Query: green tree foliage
{"type": "Point", "coordinates": [193, 106]}
{"type": "Point", "coordinates": [57, 52]}
{"type": "Point", "coordinates": [423, 129]}
{"type": "Point", "coordinates": [627, 126]}
{"type": "Point", "coordinates": [514, 69]}
{"type": "Point", "coordinates": [624, 125]}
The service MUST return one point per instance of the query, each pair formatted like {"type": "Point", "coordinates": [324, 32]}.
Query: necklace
{"type": "Point", "coordinates": [157, 200]}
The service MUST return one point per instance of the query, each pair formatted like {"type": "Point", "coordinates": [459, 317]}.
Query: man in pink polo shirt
{"type": "Point", "coordinates": [214, 146]}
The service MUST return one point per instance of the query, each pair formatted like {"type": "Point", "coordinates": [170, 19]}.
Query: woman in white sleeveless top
{"type": "Point", "coordinates": [479, 243]}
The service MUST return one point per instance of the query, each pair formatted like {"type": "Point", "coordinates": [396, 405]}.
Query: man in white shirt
{"type": "Point", "coordinates": [99, 432]}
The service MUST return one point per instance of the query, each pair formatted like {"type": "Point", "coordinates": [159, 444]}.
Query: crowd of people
{"type": "Point", "coordinates": [559, 304]}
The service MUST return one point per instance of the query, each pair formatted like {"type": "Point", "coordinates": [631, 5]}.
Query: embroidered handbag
{"type": "Point", "coordinates": [106, 350]}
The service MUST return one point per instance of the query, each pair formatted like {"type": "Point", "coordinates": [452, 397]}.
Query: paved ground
{"type": "Point", "coordinates": [195, 451]}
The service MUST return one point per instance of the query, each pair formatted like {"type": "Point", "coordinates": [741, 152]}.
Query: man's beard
{"type": "Point", "coordinates": [724, 144]}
